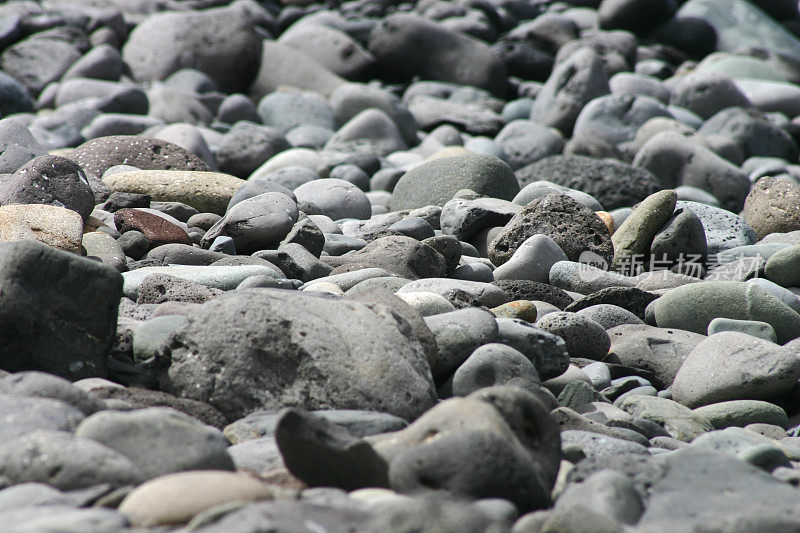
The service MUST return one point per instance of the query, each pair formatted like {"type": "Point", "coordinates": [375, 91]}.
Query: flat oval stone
{"type": "Point", "coordinates": [762, 330]}
{"type": "Point", "coordinates": [692, 307]}
{"type": "Point", "coordinates": [208, 192]}
{"type": "Point", "coordinates": [741, 413]}
{"type": "Point", "coordinates": [436, 182]}
{"type": "Point", "coordinates": [217, 277]}
{"type": "Point", "coordinates": [782, 267]}
{"type": "Point", "coordinates": [335, 198]}
{"type": "Point", "coordinates": [159, 440]}
{"type": "Point", "coordinates": [156, 229]}
{"type": "Point", "coordinates": [55, 226]}
{"type": "Point", "coordinates": [175, 498]}
{"type": "Point", "coordinates": [460, 292]}
{"type": "Point", "coordinates": [743, 368]}
{"type": "Point", "coordinates": [64, 461]}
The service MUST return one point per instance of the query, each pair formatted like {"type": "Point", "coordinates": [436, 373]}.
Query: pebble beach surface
{"type": "Point", "coordinates": [459, 266]}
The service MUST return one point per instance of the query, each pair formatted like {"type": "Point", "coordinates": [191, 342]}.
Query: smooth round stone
{"type": "Point", "coordinates": [584, 278]}
{"type": "Point", "coordinates": [532, 260]}
{"type": "Point", "coordinates": [460, 292]}
{"type": "Point", "coordinates": [162, 44]}
{"type": "Point", "coordinates": [486, 146]}
{"type": "Point", "coordinates": [458, 334]}
{"type": "Point", "coordinates": [257, 186]}
{"type": "Point", "coordinates": [285, 111]}
{"type": "Point", "coordinates": [351, 173]}
{"type": "Point", "coordinates": [294, 157]}
{"type": "Point", "coordinates": [406, 45]}
{"type": "Point", "coordinates": [639, 84]}
{"type": "Point", "coordinates": [247, 146]}
{"type": "Point", "coordinates": [323, 287]}
{"type": "Point", "coordinates": [771, 96]}
{"type": "Point", "coordinates": [237, 107]}
{"type": "Point", "coordinates": [761, 330]}
{"type": "Point", "coordinates": [335, 198]}
{"type": "Point", "coordinates": [473, 272]}
{"type": "Point", "coordinates": [557, 384]}
{"type": "Point", "coordinates": [494, 364]}
{"type": "Point", "coordinates": [517, 109]}
{"type": "Point", "coordinates": [694, 194]}
{"type": "Point", "coordinates": [337, 244]}
{"type": "Point", "coordinates": [175, 498]}
{"type": "Point", "coordinates": [609, 493]}
{"type": "Point", "coordinates": [413, 227]}
{"type": "Point", "coordinates": [427, 303]}
{"type": "Point", "coordinates": [782, 267]}
{"type": "Point", "coordinates": [615, 118]}
{"type": "Point", "coordinates": [371, 131]}
{"type": "Point", "coordinates": [572, 84]}
{"type": "Point", "coordinates": [217, 277]}
{"type": "Point", "coordinates": [692, 307]}
{"type": "Point", "coordinates": [546, 351]}
{"type": "Point", "coordinates": [208, 192]}
{"type": "Point", "coordinates": [283, 66]}
{"type": "Point", "coordinates": [54, 226]}
{"type": "Point", "coordinates": [43, 385]}
{"type": "Point", "coordinates": [599, 375]}
{"type": "Point", "coordinates": [256, 223]}
{"type": "Point", "coordinates": [351, 99]}
{"type": "Point", "coordinates": [22, 415]}
{"type": "Point", "coordinates": [64, 461]}
{"type": "Point", "coordinates": [752, 132]}
{"type": "Point", "coordinates": [744, 368]}
{"type": "Point", "coordinates": [525, 141]}
{"type": "Point", "coordinates": [742, 413]}
{"type": "Point", "coordinates": [119, 124]}
{"type": "Point", "coordinates": [583, 336]}
{"type": "Point", "coordinates": [706, 93]}
{"type": "Point", "coordinates": [486, 175]}
{"type": "Point", "coordinates": [677, 160]}
{"type": "Point", "coordinates": [609, 316]}
{"type": "Point", "coordinates": [679, 421]}
{"type": "Point", "coordinates": [159, 440]}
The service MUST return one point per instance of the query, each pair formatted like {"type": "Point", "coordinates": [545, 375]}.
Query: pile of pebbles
{"type": "Point", "coordinates": [449, 266]}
